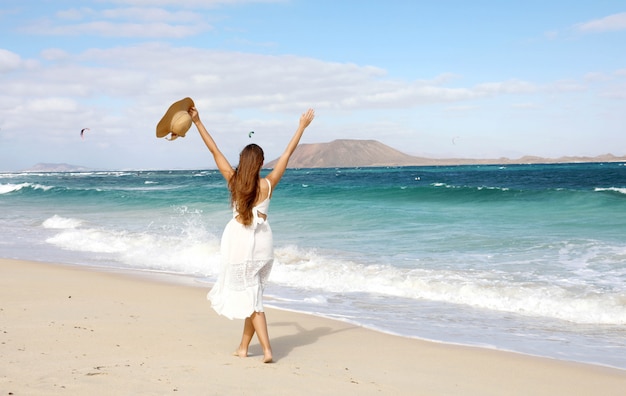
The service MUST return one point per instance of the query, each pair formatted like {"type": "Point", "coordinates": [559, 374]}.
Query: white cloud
{"type": "Point", "coordinates": [135, 30]}
{"type": "Point", "coordinates": [506, 87]}
{"type": "Point", "coordinates": [551, 35]}
{"type": "Point", "coordinates": [461, 109]}
{"type": "Point", "coordinates": [52, 105]}
{"type": "Point", "coordinates": [564, 86]}
{"type": "Point", "coordinates": [75, 13]}
{"type": "Point", "coordinates": [9, 61]}
{"type": "Point", "coordinates": [54, 54]}
{"type": "Point", "coordinates": [121, 93]}
{"type": "Point", "coordinates": [526, 106]}
{"type": "Point", "coordinates": [191, 3]}
{"type": "Point", "coordinates": [151, 14]}
{"type": "Point", "coordinates": [596, 77]}
{"type": "Point", "coordinates": [135, 22]}
{"type": "Point", "coordinates": [617, 91]}
{"type": "Point", "coordinates": [148, 76]}
{"type": "Point", "coordinates": [609, 23]}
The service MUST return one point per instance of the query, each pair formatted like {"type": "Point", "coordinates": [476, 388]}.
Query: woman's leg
{"type": "Point", "coordinates": [246, 337]}
{"type": "Point", "coordinates": [260, 325]}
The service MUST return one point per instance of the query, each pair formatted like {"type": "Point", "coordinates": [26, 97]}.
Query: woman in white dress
{"type": "Point", "coordinates": [247, 246]}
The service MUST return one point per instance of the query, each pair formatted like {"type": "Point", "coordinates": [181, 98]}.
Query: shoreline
{"type": "Point", "coordinates": [192, 281]}
{"type": "Point", "coordinates": [68, 329]}
{"type": "Point", "coordinates": [442, 342]}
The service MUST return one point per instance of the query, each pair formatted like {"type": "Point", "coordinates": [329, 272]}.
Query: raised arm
{"type": "Point", "coordinates": [279, 169]}
{"type": "Point", "coordinates": [222, 163]}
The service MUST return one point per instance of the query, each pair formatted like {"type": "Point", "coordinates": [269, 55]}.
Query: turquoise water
{"type": "Point", "coordinates": [530, 258]}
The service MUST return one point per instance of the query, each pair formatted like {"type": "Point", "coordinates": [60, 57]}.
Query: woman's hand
{"type": "Point", "coordinates": [306, 118]}
{"type": "Point", "coordinates": [279, 169]}
{"type": "Point", "coordinates": [193, 112]}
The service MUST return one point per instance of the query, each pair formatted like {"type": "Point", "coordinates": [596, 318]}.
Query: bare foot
{"type": "Point", "coordinates": [267, 357]}
{"type": "Point", "coordinates": [242, 353]}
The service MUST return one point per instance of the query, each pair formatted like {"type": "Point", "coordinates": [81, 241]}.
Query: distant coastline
{"type": "Point", "coordinates": [54, 167]}
{"type": "Point", "coordinates": [347, 153]}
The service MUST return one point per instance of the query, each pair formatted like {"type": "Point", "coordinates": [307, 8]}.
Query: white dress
{"type": "Point", "coordinates": [247, 255]}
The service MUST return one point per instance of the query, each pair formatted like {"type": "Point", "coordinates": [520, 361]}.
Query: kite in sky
{"type": "Point", "coordinates": [250, 134]}
{"type": "Point", "coordinates": [82, 132]}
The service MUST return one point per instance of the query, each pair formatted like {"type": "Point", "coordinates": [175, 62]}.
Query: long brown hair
{"type": "Point", "coordinates": [244, 184]}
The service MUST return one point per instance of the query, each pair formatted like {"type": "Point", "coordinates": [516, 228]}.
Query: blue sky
{"type": "Point", "coordinates": [481, 79]}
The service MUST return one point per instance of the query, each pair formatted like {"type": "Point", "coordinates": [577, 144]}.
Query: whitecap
{"type": "Point", "coordinates": [58, 222]}
{"type": "Point", "coordinates": [615, 189]}
{"type": "Point", "coordinates": [9, 188]}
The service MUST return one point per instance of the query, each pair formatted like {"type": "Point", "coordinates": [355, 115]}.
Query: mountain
{"type": "Point", "coordinates": [347, 153]}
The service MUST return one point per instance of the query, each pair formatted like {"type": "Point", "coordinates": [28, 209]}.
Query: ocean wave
{"type": "Point", "coordinates": [470, 188]}
{"type": "Point", "coordinates": [145, 187]}
{"type": "Point", "coordinates": [188, 248]}
{"type": "Point", "coordinates": [96, 173]}
{"type": "Point", "coordinates": [10, 187]}
{"type": "Point", "coordinates": [12, 175]}
{"type": "Point", "coordinates": [27, 187]}
{"type": "Point", "coordinates": [81, 190]}
{"type": "Point", "coordinates": [478, 289]}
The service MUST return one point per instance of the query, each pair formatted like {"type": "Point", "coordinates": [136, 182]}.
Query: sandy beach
{"type": "Point", "coordinates": [68, 330]}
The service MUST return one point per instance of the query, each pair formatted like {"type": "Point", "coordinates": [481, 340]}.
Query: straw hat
{"type": "Point", "coordinates": [176, 120]}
